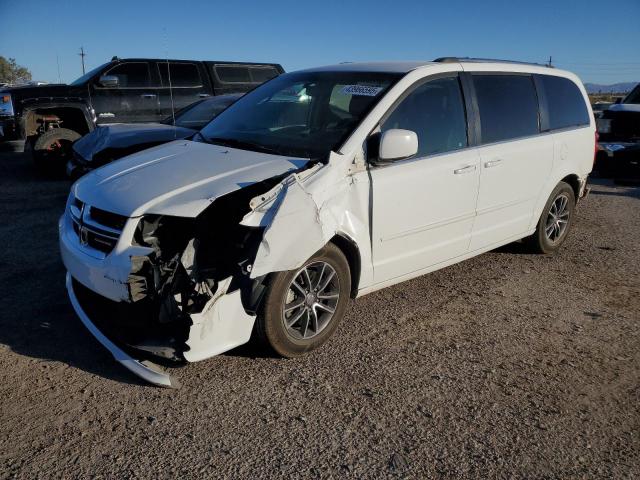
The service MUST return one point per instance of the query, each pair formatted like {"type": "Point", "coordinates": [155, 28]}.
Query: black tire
{"type": "Point", "coordinates": [52, 149]}
{"type": "Point", "coordinates": [271, 327]}
{"type": "Point", "coordinates": [543, 242]}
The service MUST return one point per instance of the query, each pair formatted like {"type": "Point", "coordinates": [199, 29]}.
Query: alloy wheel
{"type": "Point", "coordinates": [557, 218]}
{"type": "Point", "coordinates": [311, 300]}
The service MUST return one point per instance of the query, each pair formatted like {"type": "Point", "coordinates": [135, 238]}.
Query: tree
{"type": "Point", "coordinates": [12, 73]}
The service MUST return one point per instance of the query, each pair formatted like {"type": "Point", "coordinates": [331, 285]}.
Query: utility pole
{"type": "Point", "coordinates": [550, 64]}
{"type": "Point", "coordinates": [58, 62]}
{"type": "Point", "coordinates": [82, 55]}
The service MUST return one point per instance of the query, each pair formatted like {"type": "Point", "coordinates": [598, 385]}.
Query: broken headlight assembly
{"type": "Point", "coordinates": [190, 256]}
{"type": "Point", "coordinates": [161, 273]}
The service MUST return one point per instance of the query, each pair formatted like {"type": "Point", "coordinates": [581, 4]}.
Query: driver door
{"type": "Point", "coordinates": [423, 207]}
{"type": "Point", "coordinates": [133, 99]}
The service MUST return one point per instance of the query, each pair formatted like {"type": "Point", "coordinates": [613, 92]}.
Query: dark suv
{"type": "Point", "coordinates": [129, 90]}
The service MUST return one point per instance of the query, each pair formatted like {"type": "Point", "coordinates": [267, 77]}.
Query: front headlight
{"type": "Point", "coordinates": [6, 105]}
{"type": "Point", "coordinates": [603, 125]}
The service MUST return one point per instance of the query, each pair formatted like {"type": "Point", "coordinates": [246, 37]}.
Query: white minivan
{"type": "Point", "coordinates": [316, 187]}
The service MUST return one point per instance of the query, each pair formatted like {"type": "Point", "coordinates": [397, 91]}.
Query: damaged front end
{"type": "Point", "coordinates": [193, 296]}
{"type": "Point", "coordinates": [175, 288]}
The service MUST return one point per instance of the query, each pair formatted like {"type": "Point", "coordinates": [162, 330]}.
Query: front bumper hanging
{"type": "Point", "coordinates": [144, 369]}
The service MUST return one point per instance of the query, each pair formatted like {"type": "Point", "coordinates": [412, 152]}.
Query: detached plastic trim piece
{"type": "Point", "coordinates": [140, 369]}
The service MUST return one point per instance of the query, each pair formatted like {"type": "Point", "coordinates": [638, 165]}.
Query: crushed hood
{"type": "Point", "coordinates": [179, 178]}
{"type": "Point", "coordinates": [122, 135]}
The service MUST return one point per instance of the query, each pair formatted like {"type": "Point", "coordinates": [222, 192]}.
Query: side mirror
{"type": "Point", "coordinates": [396, 144]}
{"type": "Point", "coordinates": [618, 101]}
{"type": "Point", "coordinates": [109, 81]}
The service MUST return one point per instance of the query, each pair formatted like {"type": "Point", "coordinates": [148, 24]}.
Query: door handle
{"type": "Point", "coordinates": [492, 163]}
{"type": "Point", "coordinates": [204, 95]}
{"type": "Point", "coordinates": [148, 95]}
{"type": "Point", "coordinates": [467, 169]}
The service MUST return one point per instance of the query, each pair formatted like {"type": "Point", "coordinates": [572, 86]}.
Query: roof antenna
{"type": "Point", "coordinates": [173, 110]}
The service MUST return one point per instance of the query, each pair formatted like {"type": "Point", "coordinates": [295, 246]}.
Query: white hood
{"type": "Point", "coordinates": [180, 178]}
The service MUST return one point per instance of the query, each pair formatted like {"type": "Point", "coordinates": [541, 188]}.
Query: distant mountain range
{"type": "Point", "coordinates": [615, 88]}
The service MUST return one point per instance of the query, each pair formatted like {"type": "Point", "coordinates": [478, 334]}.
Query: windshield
{"type": "Point", "coordinates": [198, 114]}
{"type": "Point", "coordinates": [305, 114]}
{"type": "Point", "coordinates": [634, 96]}
{"type": "Point", "coordinates": [87, 76]}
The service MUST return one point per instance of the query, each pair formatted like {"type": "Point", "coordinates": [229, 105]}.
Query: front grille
{"type": "Point", "coordinates": [108, 219]}
{"type": "Point", "coordinates": [100, 242]}
{"type": "Point", "coordinates": [96, 228]}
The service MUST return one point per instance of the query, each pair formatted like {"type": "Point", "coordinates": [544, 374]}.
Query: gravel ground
{"type": "Point", "coordinates": [508, 365]}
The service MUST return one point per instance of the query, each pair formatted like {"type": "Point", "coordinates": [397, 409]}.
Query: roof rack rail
{"type": "Point", "coordinates": [482, 60]}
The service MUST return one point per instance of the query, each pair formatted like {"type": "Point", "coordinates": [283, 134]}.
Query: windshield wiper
{"type": "Point", "coordinates": [241, 144]}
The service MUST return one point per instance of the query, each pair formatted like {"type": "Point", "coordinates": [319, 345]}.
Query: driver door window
{"type": "Point", "coordinates": [435, 111]}
{"type": "Point", "coordinates": [135, 99]}
{"type": "Point", "coordinates": [131, 75]}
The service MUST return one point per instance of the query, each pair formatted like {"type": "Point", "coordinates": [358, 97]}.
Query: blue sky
{"type": "Point", "coordinates": [599, 40]}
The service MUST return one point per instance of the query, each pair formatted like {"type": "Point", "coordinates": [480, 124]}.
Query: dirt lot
{"type": "Point", "coordinates": [508, 365]}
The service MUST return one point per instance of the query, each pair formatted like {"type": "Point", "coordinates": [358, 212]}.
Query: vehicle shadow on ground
{"type": "Point", "coordinates": [633, 192]}
{"type": "Point", "coordinates": [38, 320]}
{"type": "Point", "coordinates": [623, 188]}
{"type": "Point", "coordinates": [255, 348]}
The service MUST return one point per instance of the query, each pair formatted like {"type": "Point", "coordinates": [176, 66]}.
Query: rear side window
{"type": "Point", "coordinates": [233, 73]}
{"type": "Point", "coordinates": [262, 74]}
{"type": "Point", "coordinates": [182, 74]}
{"type": "Point", "coordinates": [634, 96]}
{"type": "Point", "coordinates": [435, 111]}
{"type": "Point", "coordinates": [508, 106]}
{"type": "Point", "coordinates": [565, 103]}
{"type": "Point", "coordinates": [131, 75]}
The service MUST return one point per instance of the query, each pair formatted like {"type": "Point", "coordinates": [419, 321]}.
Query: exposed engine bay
{"type": "Point", "coordinates": [194, 261]}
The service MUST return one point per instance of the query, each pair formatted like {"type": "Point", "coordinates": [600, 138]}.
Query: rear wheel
{"type": "Point", "coordinates": [303, 307]}
{"type": "Point", "coordinates": [555, 222]}
{"type": "Point", "coordinates": [52, 149]}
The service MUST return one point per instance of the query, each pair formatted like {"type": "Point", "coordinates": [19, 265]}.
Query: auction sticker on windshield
{"type": "Point", "coordinates": [363, 90]}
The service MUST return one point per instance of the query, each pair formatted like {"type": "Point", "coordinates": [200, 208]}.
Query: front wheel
{"type": "Point", "coordinates": [303, 307]}
{"type": "Point", "coordinates": [52, 149]}
{"type": "Point", "coordinates": [555, 222]}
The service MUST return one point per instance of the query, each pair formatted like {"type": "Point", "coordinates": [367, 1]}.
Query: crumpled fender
{"type": "Point", "coordinates": [222, 325]}
{"type": "Point", "coordinates": [303, 213]}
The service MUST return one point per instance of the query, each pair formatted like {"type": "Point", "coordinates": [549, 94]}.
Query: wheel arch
{"type": "Point", "coordinates": [574, 181]}
{"type": "Point", "coordinates": [73, 116]}
{"type": "Point", "coordinates": [350, 250]}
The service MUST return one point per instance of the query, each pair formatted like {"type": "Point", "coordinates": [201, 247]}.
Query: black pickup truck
{"type": "Point", "coordinates": [618, 153]}
{"type": "Point", "coordinates": [51, 117]}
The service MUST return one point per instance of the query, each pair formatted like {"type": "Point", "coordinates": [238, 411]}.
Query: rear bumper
{"type": "Point", "coordinates": [145, 370]}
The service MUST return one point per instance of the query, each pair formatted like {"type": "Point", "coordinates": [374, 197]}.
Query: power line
{"type": "Point", "coordinates": [598, 64]}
